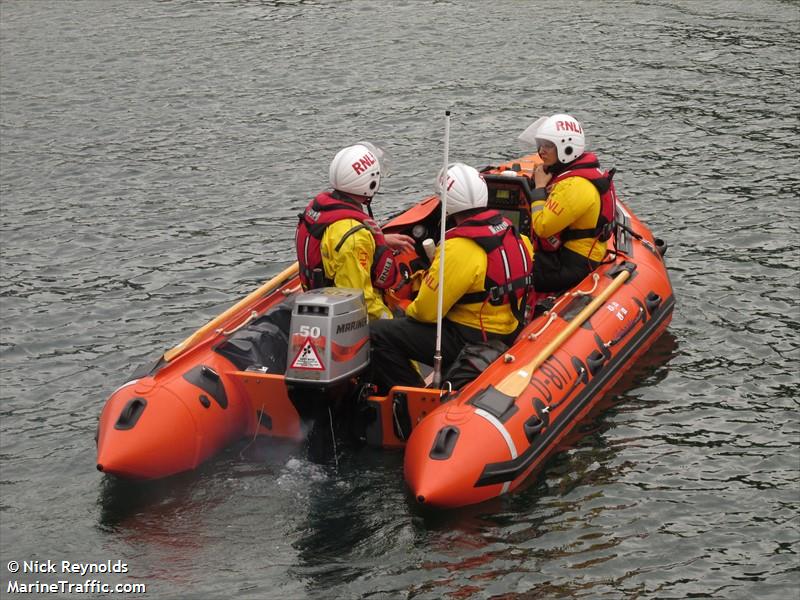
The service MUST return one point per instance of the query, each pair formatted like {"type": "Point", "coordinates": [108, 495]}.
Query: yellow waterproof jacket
{"type": "Point", "coordinates": [572, 202]}
{"type": "Point", "coordinates": [465, 265]}
{"type": "Point", "coordinates": [350, 266]}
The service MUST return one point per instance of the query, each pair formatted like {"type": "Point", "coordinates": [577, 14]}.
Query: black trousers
{"type": "Point", "coordinates": [557, 271]}
{"type": "Point", "coordinates": [396, 341]}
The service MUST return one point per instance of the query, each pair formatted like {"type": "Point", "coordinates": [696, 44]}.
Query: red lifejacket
{"type": "Point", "coordinates": [588, 167]}
{"type": "Point", "coordinates": [508, 267]}
{"type": "Point", "coordinates": [322, 211]}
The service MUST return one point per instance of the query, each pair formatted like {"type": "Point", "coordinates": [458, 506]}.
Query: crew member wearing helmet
{"type": "Point", "coordinates": [486, 284]}
{"type": "Point", "coordinates": [337, 243]}
{"type": "Point", "coordinates": [574, 204]}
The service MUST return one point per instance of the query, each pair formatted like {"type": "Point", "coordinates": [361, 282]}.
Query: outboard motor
{"type": "Point", "coordinates": [328, 348]}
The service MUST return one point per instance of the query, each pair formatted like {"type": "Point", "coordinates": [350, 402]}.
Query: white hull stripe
{"type": "Point", "coordinates": [506, 436]}
{"type": "Point", "coordinates": [124, 385]}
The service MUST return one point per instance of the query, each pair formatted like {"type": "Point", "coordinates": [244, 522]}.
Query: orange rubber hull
{"type": "Point", "coordinates": [485, 441]}
{"type": "Point", "coordinates": [176, 415]}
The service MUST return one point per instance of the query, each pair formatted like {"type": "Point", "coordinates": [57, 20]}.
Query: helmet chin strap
{"type": "Point", "coordinates": [365, 200]}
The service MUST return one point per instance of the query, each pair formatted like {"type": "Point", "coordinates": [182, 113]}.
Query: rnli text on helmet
{"type": "Point", "coordinates": [363, 163]}
{"type": "Point", "coordinates": [573, 126]}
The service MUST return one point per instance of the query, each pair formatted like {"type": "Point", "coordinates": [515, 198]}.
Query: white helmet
{"type": "Point", "coordinates": [357, 169]}
{"type": "Point", "coordinates": [562, 130]}
{"type": "Point", "coordinates": [466, 189]}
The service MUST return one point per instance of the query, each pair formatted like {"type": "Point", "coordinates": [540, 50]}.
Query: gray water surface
{"type": "Point", "coordinates": [153, 158]}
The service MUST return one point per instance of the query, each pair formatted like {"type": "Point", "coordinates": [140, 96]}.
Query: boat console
{"type": "Point", "coordinates": [511, 195]}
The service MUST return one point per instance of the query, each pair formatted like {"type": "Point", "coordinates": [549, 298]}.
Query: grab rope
{"type": "Point", "coordinates": [596, 279]}
{"type": "Point", "coordinates": [639, 317]}
{"type": "Point", "coordinates": [247, 321]}
{"type": "Point", "coordinates": [554, 315]}
{"type": "Point", "coordinates": [536, 334]}
{"type": "Point", "coordinates": [576, 293]}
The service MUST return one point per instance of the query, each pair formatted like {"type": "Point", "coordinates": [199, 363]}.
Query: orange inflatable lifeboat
{"type": "Point", "coordinates": [280, 361]}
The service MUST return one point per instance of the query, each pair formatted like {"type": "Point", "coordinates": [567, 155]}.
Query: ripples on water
{"type": "Point", "coordinates": [153, 158]}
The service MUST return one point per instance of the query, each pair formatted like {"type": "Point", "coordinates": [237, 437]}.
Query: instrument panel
{"type": "Point", "coordinates": [511, 195]}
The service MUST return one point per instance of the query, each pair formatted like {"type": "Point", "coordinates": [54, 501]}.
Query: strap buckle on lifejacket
{"type": "Point", "coordinates": [496, 294]}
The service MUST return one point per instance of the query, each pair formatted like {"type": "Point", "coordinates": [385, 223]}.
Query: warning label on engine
{"type": "Point", "coordinates": [307, 358]}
